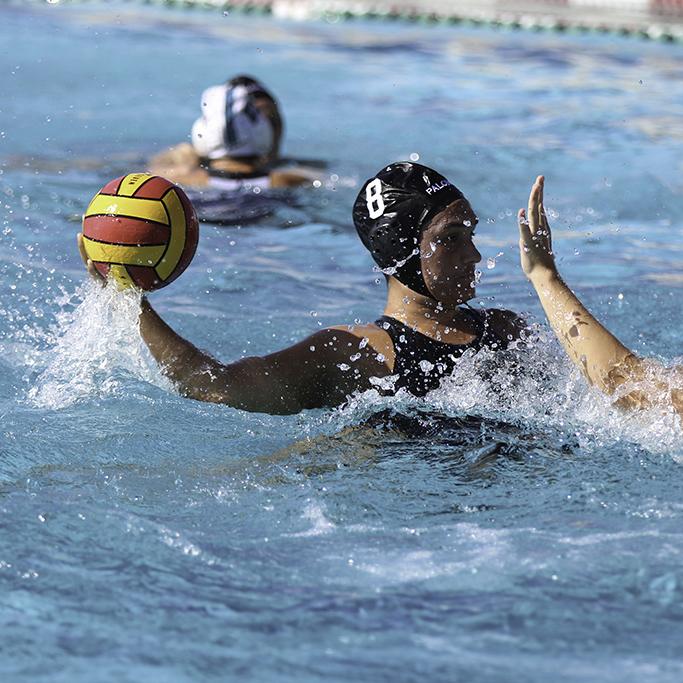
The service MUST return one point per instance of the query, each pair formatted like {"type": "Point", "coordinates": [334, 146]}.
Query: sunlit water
{"type": "Point", "coordinates": [511, 527]}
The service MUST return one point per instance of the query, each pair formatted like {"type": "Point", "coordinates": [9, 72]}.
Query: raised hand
{"type": "Point", "coordinates": [535, 240]}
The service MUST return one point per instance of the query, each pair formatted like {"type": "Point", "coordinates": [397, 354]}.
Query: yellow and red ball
{"type": "Point", "coordinates": [142, 230]}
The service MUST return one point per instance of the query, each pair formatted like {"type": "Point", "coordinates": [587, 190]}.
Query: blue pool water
{"type": "Point", "coordinates": [507, 528]}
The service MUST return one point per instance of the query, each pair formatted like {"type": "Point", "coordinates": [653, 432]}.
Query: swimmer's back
{"type": "Point", "coordinates": [182, 165]}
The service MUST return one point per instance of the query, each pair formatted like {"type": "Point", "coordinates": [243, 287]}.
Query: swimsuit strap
{"type": "Point", "coordinates": [421, 362]}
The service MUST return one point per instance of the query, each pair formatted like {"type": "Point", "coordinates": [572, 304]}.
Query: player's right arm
{"type": "Point", "coordinates": [601, 357]}
{"type": "Point", "coordinates": [320, 371]}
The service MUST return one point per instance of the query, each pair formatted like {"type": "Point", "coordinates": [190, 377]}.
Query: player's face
{"type": "Point", "coordinates": [447, 254]}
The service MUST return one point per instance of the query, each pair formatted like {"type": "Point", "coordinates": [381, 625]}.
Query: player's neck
{"type": "Point", "coordinates": [426, 315]}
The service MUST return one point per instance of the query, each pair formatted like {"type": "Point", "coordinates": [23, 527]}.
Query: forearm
{"type": "Point", "coordinates": [602, 358]}
{"type": "Point", "coordinates": [590, 346]}
{"type": "Point", "coordinates": [246, 384]}
{"type": "Point", "coordinates": [291, 178]}
{"type": "Point", "coordinates": [179, 359]}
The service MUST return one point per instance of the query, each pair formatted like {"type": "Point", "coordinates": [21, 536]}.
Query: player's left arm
{"type": "Point", "coordinates": [293, 177]}
{"type": "Point", "coordinates": [604, 360]}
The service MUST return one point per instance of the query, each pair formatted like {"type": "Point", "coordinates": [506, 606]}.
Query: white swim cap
{"type": "Point", "coordinates": [231, 124]}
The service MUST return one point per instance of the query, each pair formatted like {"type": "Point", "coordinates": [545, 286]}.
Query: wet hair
{"type": "Point", "coordinates": [392, 210]}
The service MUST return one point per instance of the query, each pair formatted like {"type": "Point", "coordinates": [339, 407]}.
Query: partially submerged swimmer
{"type": "Point", "coordinates": [602, 358]}
{"type": "Point", "coordinates": [419, 228]}
{"type": "Point", "coordinates": [235, 143]}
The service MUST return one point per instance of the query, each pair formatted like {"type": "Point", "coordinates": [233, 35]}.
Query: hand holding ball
{"type": "Point", "coordinates": [140, 229]}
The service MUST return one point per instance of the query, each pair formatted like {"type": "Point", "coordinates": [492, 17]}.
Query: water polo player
{"type": "Point", "coordinates": [602, 358]}
{"type": "Point", "coordinates": [235, 143]}
{"type": "Point", "coordinates": [419, 229]}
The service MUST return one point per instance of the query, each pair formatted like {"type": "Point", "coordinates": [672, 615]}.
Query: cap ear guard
{"type": "Point", "coordinates": [208, 130]}
{"type": "Point", "coordinates": [231, 124]}
{"type": "Point", "coordinates": [391, 211]}
{"type": "Point", "coordinates": [207, 140]}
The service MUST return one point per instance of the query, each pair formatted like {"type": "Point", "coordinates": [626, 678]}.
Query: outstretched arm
{"type": "Point", "coordinates": [590, 346]}
{"type": "Point", "coordinates": [319, 372]}
{"type": "Point", "coordinates": [602, 358]}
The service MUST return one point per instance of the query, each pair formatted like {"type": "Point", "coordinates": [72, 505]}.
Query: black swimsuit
{"type": "Point", "coordinates": [421, 362]}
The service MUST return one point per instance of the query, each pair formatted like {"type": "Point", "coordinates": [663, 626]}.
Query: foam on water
{"type": "Point", "coordinates": [534, 385]}
{"type": "Point", "coordinates": [315, 513]}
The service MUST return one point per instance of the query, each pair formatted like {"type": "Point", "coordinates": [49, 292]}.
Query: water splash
{"type": "Point", "coordinates": [492, 261]}
{"type": "Point", "coordinates": [93, 348]}
{"type": "Point", "coordinates": [315, 513]}
{"type": "Point", "coordinates": [533, 386]}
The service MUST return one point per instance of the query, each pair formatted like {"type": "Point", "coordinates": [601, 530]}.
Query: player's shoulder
{"type": "Point", "coordinates": [370, 335]}
{"type": "Point", "coordinates": [369, 331]}
{"type": "Point", "coordinates": [181, 154]}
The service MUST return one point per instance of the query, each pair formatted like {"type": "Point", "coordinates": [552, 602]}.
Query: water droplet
{"type": "Point", "coordinates": [492, 261]}
{"type": "Point", "coordinates": [414, 156]}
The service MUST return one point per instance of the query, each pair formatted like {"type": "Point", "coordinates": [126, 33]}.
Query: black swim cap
{"type": "Point", "coordinates": [255, 87]}
{"type": "Point", "coordinates": [391, 211]}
